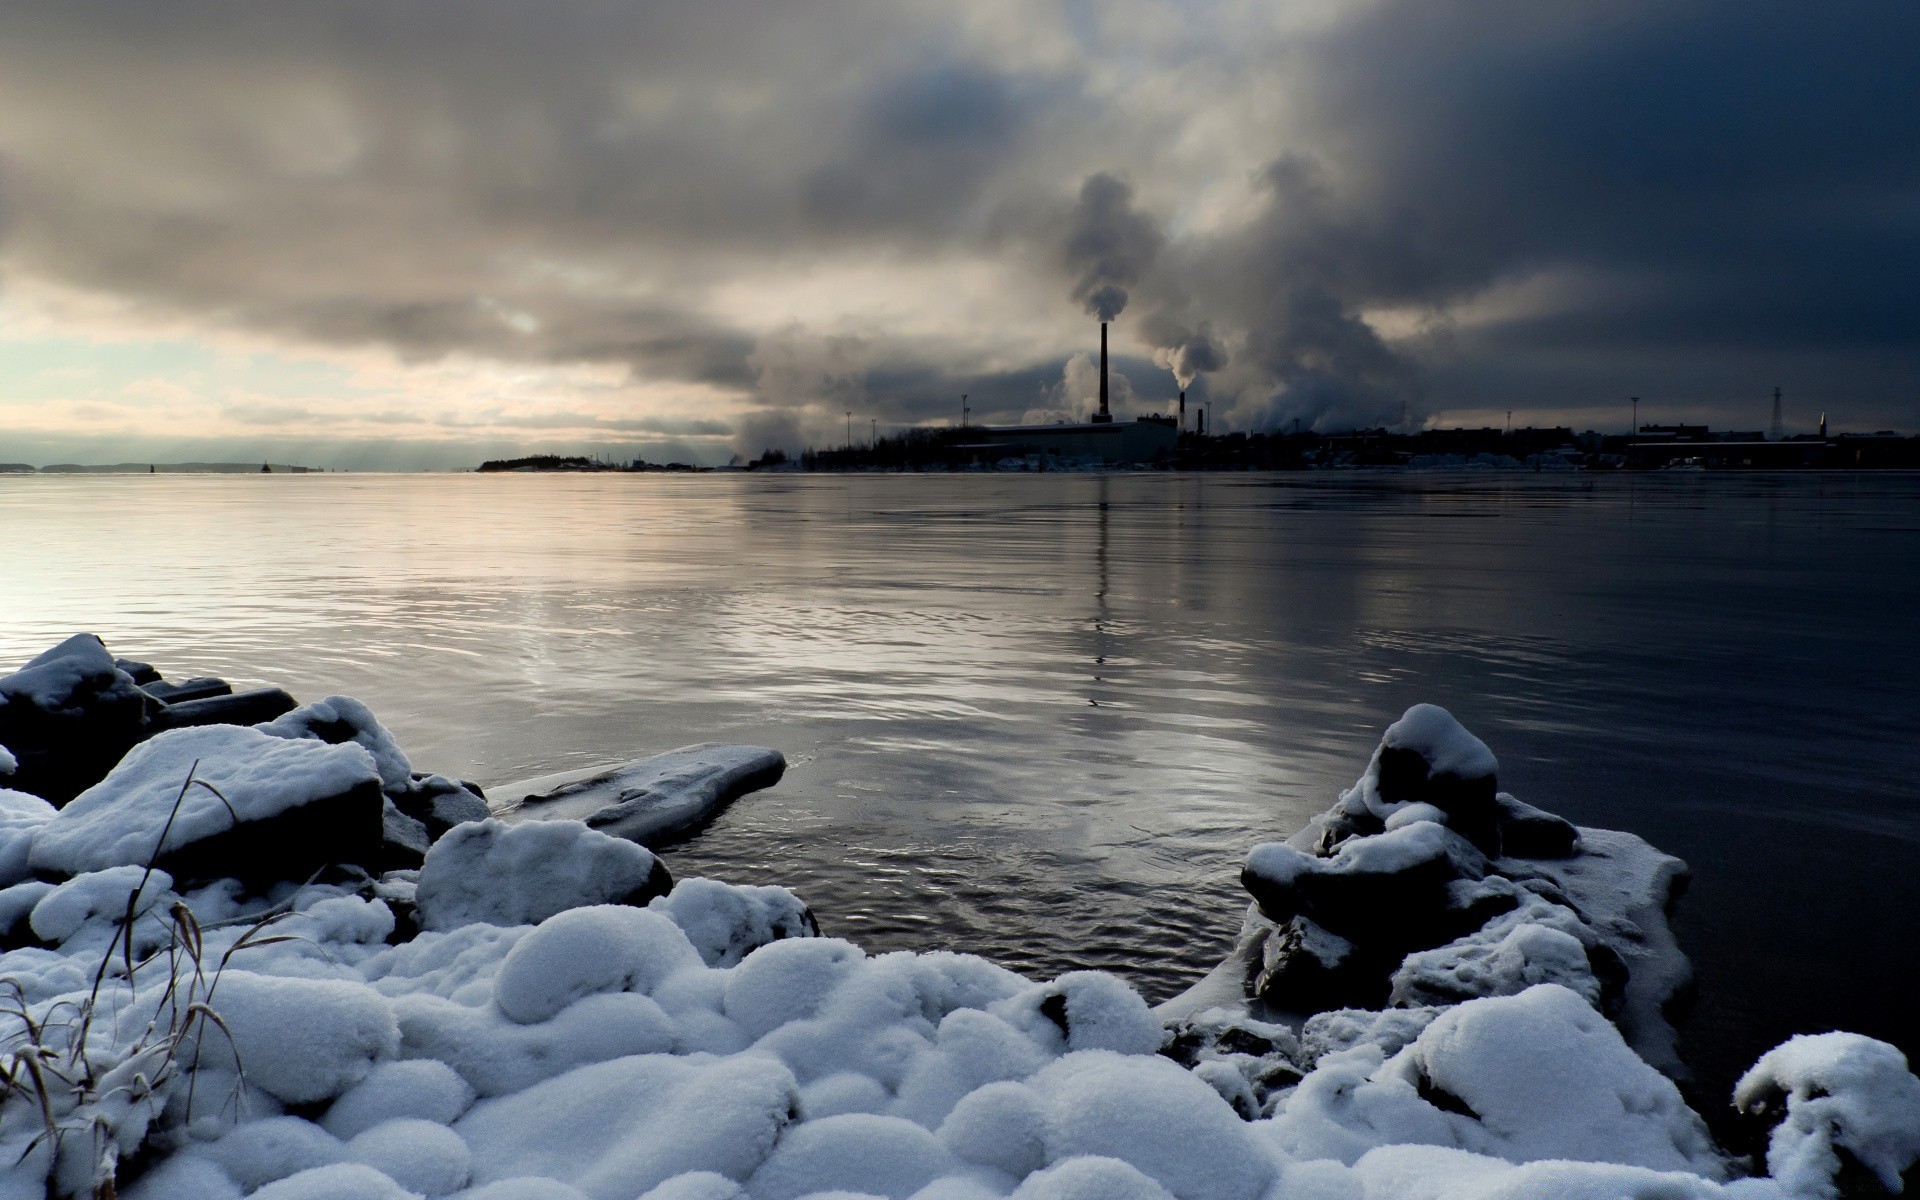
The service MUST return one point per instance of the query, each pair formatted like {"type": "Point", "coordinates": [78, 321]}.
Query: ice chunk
{"type": "Point", "coordinates": [607, 947]}
{"type": "Point", "coordinates": [119, 820]}
{"type": "Point", "coordinates": [858, 1152]}
{"type": "Point", "coordinates": [726, 922]}
{"type": "Point", "coordinates": [522, 874]}
{"type": "Point", "coordinates": [1834, 1092]}
{"type": "Point", "coordinates": [650, 800]}
{"type": "Point", "coordinates": [340, 719]}
{"type": "Point", "coordinates": [615, 1129]}
{"type": "Point", "coordinates": [300, 1040]}
{"type": "Point", "coordinates": [422, 1088]}
{"type": "Point", "coordinates": [420, 1156]}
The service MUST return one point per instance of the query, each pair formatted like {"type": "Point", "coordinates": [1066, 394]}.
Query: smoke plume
{"type": "Point", "coordinates": [1187, 351]}
{"type": "Point", "coordinates": [1109, 244]}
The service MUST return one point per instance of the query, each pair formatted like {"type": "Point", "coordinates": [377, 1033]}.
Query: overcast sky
{"type": "Point", "coordinates": [413, 234]}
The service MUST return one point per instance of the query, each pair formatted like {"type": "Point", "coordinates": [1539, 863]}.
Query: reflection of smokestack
{"type": "Point", "coordinates": [1104, 415]}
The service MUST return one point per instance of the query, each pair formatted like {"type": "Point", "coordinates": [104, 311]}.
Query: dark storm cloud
{"type": "Point", "coordinates": [1551, 199]}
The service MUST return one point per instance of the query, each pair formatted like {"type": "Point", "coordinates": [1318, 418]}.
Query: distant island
{"type": "Point", "coordinates": [185, 468]}
{"type": "Point", "coordinates": [555, 462]}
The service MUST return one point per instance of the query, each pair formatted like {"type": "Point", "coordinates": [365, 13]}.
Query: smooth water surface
{"type": "Point", "coordinates": [1041, 718]}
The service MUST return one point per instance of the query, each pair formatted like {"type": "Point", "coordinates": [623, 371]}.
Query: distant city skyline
{"type": "Point", "coordinates": [361, 235]}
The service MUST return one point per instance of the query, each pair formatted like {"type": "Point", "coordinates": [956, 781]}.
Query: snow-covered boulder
{"type": "Point", "coordinates": [337, 720]}
{"type": "Point", "coordinates": [522, 874]}
{"type": "Point", "coordinates": [20, 816]}
{"type": "Point", "coordinates": [1836, 1097]}
{"type": "Point", "coordinates": [261, 808]}
{"type": "Point", "coordinates": [726, 921]}
{"type": "Point", "coordinates": [67, 716]}
{"type": "Point", "coordinates": [605, 948]}
{"type": "Point", "coordinates": [651, 800]}
{"type": "Point", "coordinates": [298, 1040]}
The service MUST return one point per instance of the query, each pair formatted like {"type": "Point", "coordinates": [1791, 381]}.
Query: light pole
{"type": "Point", "coordinates": [963, 410]}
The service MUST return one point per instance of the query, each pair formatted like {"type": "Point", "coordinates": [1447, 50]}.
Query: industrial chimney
{"type": "Point", "coordinates": [1103, 417]}
{"type": "Point", "coordinates": [1183, 410]}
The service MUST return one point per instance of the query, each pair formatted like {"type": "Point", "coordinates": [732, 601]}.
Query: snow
{"type": "Point", "coordinates": [544, 1037]}
{"type": "Point", "coordinates": [8, 763]}
{"type": "Point", "coordinates": [1841, 1092]}
{"type": "Point", "coordinates": [49, 680]}
{"type": "Point", "coordinates": [119, 820]}
{"type": "Point", "coordinates": [21, 815]}
{"type": "Point", "coordinates": [299, 1040]}
{"type": "Point", "coordinates": [421, 1088]}
{"type": "Point", "coordinates": [341, 719]}
{"type": "Point", "coordinates": [1431, 732]}
{"type": "Point", "coordinates": [650, 800]}
{"type": "Point", "coordinates": [522, 874]}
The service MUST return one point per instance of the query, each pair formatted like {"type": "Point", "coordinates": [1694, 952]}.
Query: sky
{"type": "Point", "coordinates": [409, 234]}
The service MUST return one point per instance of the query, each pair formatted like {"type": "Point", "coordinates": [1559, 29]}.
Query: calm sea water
{"type": "Point", "coordinates": [1041, 718]}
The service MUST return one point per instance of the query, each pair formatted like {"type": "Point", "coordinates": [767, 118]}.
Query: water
{"type": "Point", "coordinates": [1041, 718]}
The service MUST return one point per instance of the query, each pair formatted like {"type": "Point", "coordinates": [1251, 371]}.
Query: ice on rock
{"type": "Point", "coordinates": [497, 1056]}
{"type": "Point", "coordinates": [1151, 1114]}
{"type": "Point", "coordinates": [340, 719]}
{"type": "Point", "coordinates": [421, 1156]}
{"type": "Point", "coordinates": [489, 871]}
{"type": "Point", "coordinates": [421, 1088]}
{"type": "Point", "coordinates": [299, 1040]}
{"type": "Point", "coordinates": [858, 1152]}
{"type": "Point", "coordinates": [118, 821]}
{"type": "Point", "coordinates": [575, 953]}
{"type": "Point", "coordinates": [1502, 965]}
{"type": "Point", "coordinates": [615, 1129]}
{"type": "Point", "coordinates": [21, 815]}
{"type": "Point", "coordinates": [341, 1181]}
{"type": "Point", "coordinates": [726, 922]}
{"type": "Point", "coordinates": [259, 1152]}
{"type": "Point", "coordinates": [1833, 1093]}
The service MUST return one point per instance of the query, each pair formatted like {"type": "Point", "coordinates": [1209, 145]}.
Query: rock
{"type": "Point", "coordinates": [68, 716]}
{"type": "Point", "coordinates": [1529, 832]}
{"type": "Point", "coordinates": [141, 673]}
{"type": "Point", "coordinates": [240, 708]}
{"type": "Point", "coordinates": [440, 803]}
{"type": "Point", "coordinates": [265, 809]}
{"type": "Point", "coordinates": [499, 874]}
{"type": "Point", "coordinates": [189, 689]}
{"type": "Point", "coordinates": [1306, 969]}
{"type": "Point", "coordinates": [1387, 891]}
{"type": "Point", "coordinates": [404, 841]}
{"type": "Point", "coordinates": [1427, 757]}
{"type": "Point", "coordinates": [651, 800]}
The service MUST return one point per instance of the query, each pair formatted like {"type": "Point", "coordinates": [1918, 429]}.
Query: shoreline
{"type": "Point", "coordinates": [1414, 882]}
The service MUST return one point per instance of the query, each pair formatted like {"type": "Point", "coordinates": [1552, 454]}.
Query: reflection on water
{"type": "Point", "coordinates": [1042, 718]}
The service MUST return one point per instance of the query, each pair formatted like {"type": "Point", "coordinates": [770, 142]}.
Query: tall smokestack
{"type": "Point", "coordinates": [1105, 416]}
{"type": "Point", "coordinates": [1183, 410]}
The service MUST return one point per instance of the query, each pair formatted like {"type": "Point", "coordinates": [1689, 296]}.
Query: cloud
{"type": "Point", "coordinates": [645, 214]}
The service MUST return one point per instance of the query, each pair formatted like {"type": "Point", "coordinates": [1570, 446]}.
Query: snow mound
{"type": "Point", "coordinates": [1841, 1093]}
{"type": "Point", "coordinates": [420, 1088]}
{"type": "Point", "coordinates": [21, 816]}
{"type": "Point", "coordinates": [299, 1040]}
{"type": "Point", "coordinates": [420, 1156]}
{"type": "Point", "coordinates": [338, 720]}
{"type": "Point", "coordinates": [606, 947]}
{"type": "Point", "coordinates": [859, 1152]}
{"type": "Point", "coordinates": [726, 922]}
{"type": "Point", "coordinates": [522, 874]}
{"type": "Point", "coordinates": [119, 820]}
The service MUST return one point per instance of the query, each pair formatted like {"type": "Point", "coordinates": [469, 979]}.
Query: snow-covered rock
{"type": "Point", "coordinates": [1834, 1094]}
{"type": "Point", "coordinates": [522, 874]}
{"type": "Point", "coordinates": [298, 1040]}
{"type": "Point", "coordinates": [21, 815]}
{"type": "Point", "coordinates": [260, 807]}
{"type": "Point", "coordinates": [726, 921]}
{"type": "Point", "coordinates": [651, 800]}
{"type": "Point", "coordinates": [67, 716]}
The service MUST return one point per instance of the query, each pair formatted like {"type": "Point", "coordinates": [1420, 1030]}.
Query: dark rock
{"type": "Point", "coordinates": [1611, 972]}
{"type": "Point", "coordinates": [1471, 804]}
{"type": "Point", "coordinates": [349, 828]}
{"type": "Point", "coordinates": [241, 708]}
{"type": "Point", "coordinates": [440, 803]}
{"type": "Point", "coordinates": [189, 689]}
{"type": "Point", "coordinates": [68, 716]}
{"type": "Point", "coordinates": [1396, 901]}
{"type": "Point", "coordinates": [1306, 969]}
{"type": "Point", "coordinates": [1529, 832]}
{"type": "Point", "coordinates": [405, 841]}
{"type": "Point", "coordinates": [141, 673]}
